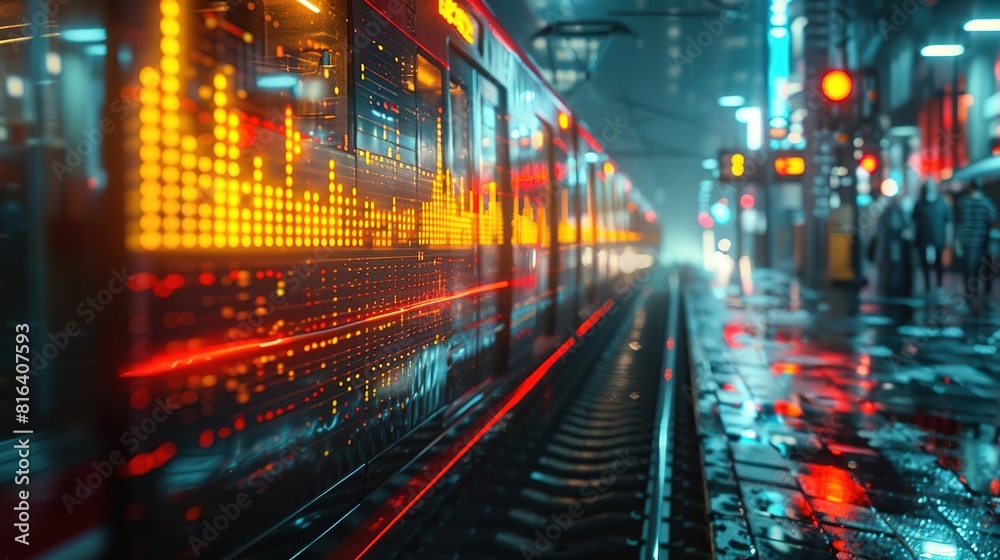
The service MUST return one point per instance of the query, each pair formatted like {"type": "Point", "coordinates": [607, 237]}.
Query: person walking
{"type": "Point", "coordinates": [976, 215]}
{"type": "Point", "coordinates": [931, 216]}
{"type": "Point", "coordinates": [993, 254]}
{"type": "Point", "coordinates": [893, 249]}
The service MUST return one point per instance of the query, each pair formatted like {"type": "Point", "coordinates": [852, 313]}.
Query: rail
{"type": "Point", "coordinates": [665, 400]}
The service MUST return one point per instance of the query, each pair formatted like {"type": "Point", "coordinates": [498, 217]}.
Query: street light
{"type": "Point", "coordinates": [752, 117]}
{"type": "Point", "coordinates": [732, 101]}
{"type": "Point", "coordinates": [942, 51]}
{"type": "Point", "coordinates": [982, 25]}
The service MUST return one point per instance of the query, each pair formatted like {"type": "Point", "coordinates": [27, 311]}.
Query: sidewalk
{"type": "Point", "coordinates": [840, 427]}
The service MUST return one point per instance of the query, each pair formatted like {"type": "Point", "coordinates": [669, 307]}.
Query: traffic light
{"type": "Point", "coordinates": [737, 167]}
{"type": "Point", "coordinates": [870, 163]}
{"type": "Point", "coordinates": [789, 163]}
{"type": "Point", "coordinates": [837, 100]}
{"type": "Point", "coordinates": [732, 167]}
{"type": "Point", "coordinates": [791, 166]}
{"type": "Point", "coordinates": [837, 86]}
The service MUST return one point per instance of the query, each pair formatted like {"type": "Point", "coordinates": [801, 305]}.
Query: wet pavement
{"type": "Point", "coordinates": [842, 426]}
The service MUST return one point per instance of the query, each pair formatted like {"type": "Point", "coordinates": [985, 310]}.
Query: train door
{"type": "Point", "coordinates": [494, 240]}
{"type": "Point", "coordinates": [455, 221]}
{"type": "Point", "coordinates": [477, 165]}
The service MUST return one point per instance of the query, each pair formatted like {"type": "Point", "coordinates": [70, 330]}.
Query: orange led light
{"type": "Point", "coordinates": [790, 166]}
{"type": "Point", "coordinates": [459, 19]}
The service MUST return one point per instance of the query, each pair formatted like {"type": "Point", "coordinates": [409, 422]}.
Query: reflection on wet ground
{"type": "Point", "coordinates": [838, 426]}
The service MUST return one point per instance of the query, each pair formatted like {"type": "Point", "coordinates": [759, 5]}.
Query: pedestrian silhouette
{"type": "Point", "coordinates": [931, 218]}
{"type": "Point", "coordinates": [976, 215]}
{"type": "Point", "coordinates": [893, 250]}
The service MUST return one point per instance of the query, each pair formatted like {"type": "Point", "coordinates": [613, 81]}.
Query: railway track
{"type": "Point", "coordinates": [571, 475]}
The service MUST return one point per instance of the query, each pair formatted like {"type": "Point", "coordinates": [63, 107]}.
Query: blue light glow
{"type": "Point", "coordinates": [277, 81]}
{"type": "Point", "coordinates": [722, 213]}
{"type": "Point", "coordinates": [939, 550]}
{"type": "Point", "coordinates": [92, 35]}
{"type": "Point", "coordinates": [732, 101]}
{"type": "Point", "coordinates": [779, 69]}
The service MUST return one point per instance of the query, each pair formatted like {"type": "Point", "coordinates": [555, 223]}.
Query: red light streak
{"type": "Point", "coordinates": [782, 368]}
{"type": "Point", "coordinates": [597, 316]}
{"type": "Point", "coordinates": [515, 398]}
{"type": "Point", "coordinates": [590, 140]}
{"type": "Point", "coordinates": [143, 463]}
{"type": "Point", "coordinates": [522, 390]}
{"type": "Point", "coordinates": [171, 363]}
{"type": "Point", "coordinates": [786, 408]}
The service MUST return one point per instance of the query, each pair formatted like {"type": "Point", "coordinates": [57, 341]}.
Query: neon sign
{"type": "Point", "coordinates": [459, 19]}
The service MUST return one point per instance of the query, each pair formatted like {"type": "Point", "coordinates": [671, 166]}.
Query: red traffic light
{"type": "Point", "coordinates": [837, 85]}
{"type": "Point", "coordinates": [748, 201]}
{"type": "Point", "coordinates": [869, 163]}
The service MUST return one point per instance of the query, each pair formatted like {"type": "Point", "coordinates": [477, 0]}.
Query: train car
{"type": "Point", "coordinates": [331, 225]}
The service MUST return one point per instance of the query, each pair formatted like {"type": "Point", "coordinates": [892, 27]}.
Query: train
{"type": "Point", "coordinates": [261, 243]}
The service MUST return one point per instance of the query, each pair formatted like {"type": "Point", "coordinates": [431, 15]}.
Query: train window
{"type": "Point", "coordinates": [299, 57]}
{"type": "Point", "coordinates": [386, 87]}
{"type": "Point", "coordinates": [462, 119]}
{"type": "Point", "coordinates": [429, 86]}
{"type": "Point", "coordinates": [530, 182]}
{"type": "Point", "coordinates": [490, 167]}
